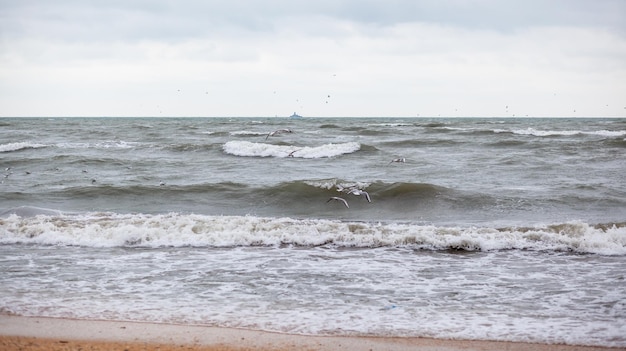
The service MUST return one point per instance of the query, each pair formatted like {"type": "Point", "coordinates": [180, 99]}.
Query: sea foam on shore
{"type": "Point", "coordinates": [51, 334]}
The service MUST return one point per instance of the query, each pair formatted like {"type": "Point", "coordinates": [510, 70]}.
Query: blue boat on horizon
{"type": "Point", "coordinates": [295, 115]}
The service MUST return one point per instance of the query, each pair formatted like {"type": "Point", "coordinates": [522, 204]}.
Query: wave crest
{"type": "Point", "coordinates": [20, 146]}
{"type": "Point", "coordinates": [250, 149]}
{"type": "Point", "coordinates": [173, 229]}
{"type": "Point", "coordinates": [548, 133]}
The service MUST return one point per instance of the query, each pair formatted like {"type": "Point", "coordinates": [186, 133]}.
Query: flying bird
{"type": "Point", "coordinates": [336, 198]}
{"type": "Point", "coordinates": [399, 160]}
{"type": "Point", "coordinates": [279, 131]}
{"type": "Point", "coordinates": [359, 192]}
{"type": "Point", "coordinates": [294, 151]}
{"type": "Point", "coordinates": [340, 188]}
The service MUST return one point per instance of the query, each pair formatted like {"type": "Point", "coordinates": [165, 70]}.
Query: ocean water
{"type": "Point", "coordinates": [493, 229]}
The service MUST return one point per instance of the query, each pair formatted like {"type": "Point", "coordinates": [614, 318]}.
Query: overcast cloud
{"type": "Point", "coordinates": [317, 58]}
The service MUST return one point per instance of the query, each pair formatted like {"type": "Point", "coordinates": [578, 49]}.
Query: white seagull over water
{"type": "Point", "coordinates": [279, 131]}
{"type": "Point", "coordinates": [340, 188]}
{"type": "Point", "coordinates": [359, 192]}
{"type": "Point", "coordinates": [336, 198]}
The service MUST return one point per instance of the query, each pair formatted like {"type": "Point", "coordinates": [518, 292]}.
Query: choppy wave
{"type": "Point", "coordinates": [530, 131]}
{"type": "Point", "coordinates": [383, 190]}
{"type": "Point", "coordinates": [246, 148]}
{"type": "Point", "coordinates": [104, 144]}
{"type": "Point", "coordinates": [246, 133]}
{"type": "Point", "coordinates": [543, 133]}
{"type": "Point", "coordinates": [290, 193]}
{"type": "Point", "coordinates": [309, 198]}
{"type": "Point", "coordinates": [191, 147]}
{"type": "Point", "coordinates": [391, 124]}
{"type": "Point", "coordinates": [29, 211]}
{"type": "Point", "coordinates": [9, 147]}
{"type": "Point", "coordinates": [181, 230]}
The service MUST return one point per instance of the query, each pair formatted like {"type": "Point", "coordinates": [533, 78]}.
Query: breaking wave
{"type": "Point", "coordinates": [250, 149]}
{"type": "Point", "coordinates": [543, 133]}
{"type": "Point", "coordinates": [182, 230]}
{"type": "Point", "coordinates": [9, 147]}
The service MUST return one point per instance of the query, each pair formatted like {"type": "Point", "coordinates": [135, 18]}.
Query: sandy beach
{"type": "Point", "coordinates": [31, 333]}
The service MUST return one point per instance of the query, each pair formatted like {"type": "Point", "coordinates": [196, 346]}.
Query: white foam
{"type": "Point", "coordinates": [173, 229]}
{"type": "Point", "coordinates": [105, 144]}
{"type": "Point", "coordinates": [609, 133]}
{"type": "Point", "coordinates": [20, 146]}
{"type": "Point", "coordinates": [541, 133]}
{"type": "Point", "coordinates": [328, 184]}
{"type": "Point", "coordinates": [249, 149]}
{"type": "Point", "coordinates": [115, 144]}
{"type": "Point", "coordinates": [398, 124]}
{"type": "Point", "coordinates": [513, 295]}
{"type": "Point", "coordinates": [246, 133]}
{"type": "Point", "coordinates": [534, 132]}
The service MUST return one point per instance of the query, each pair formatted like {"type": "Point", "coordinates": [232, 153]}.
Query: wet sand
{"type": "Point", "coordinates": [30, 333]}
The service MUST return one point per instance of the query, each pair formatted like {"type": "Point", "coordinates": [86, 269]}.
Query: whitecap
{"type": "Point", "coordinates": [249, 149]}
{"type": "Point", "coordinates": [609, 133]}
{"type": "Point", "coordinates": [328, 184]}
{"type": "Point", "coordinates": [246, 133]}
{"type": "Point", "coordinates": [179, 230]}
{"type": "Point", "coordinates": [541, 133]}
{"type": "Point", "coordinates": [20, 146]}
{"type": "Point", "coordinates": [105, 144]}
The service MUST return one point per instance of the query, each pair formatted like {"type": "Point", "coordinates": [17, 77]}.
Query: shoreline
{"type": "Point", "coordinates": [42, 333]}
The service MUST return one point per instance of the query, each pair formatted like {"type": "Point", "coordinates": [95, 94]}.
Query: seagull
{"type": "Point", "coordinates": [399, 160]}
{"type": "Point", "coordinates": [279, 131]}
{"type": "Point", "coordinates": [294, 151]}
{"type": "Point", "coordinates": [359, 192]}
{"type": "Point", "coordinates": [339, 199]}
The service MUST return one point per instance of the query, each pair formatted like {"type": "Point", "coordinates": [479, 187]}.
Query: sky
{"type": "Point", "coordinates": [322, 58]}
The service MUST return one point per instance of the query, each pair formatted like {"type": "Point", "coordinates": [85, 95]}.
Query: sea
{"type": "Point", "coordinates": [510, 229]}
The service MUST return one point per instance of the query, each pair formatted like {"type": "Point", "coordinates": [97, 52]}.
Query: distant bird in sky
{"type": "Point", "coordinates": [340, 199]}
